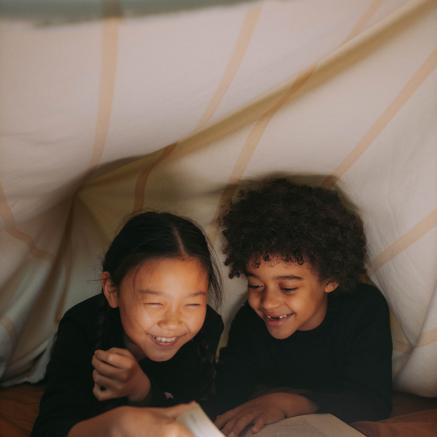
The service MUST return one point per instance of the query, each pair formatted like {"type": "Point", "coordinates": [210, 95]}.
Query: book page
{"type": "Point", "coordinates": [310, 425]}
{"type": "Point", "coordinates": [199, 423]}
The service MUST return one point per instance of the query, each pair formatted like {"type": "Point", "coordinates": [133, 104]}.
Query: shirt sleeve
{"type": "Point", "coordinates": [68, 398]}
{"type": "Point", "coordinates": [364, 392]}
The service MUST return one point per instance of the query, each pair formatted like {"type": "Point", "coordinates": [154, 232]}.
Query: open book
{"type": "Point", "coordinates": [310, 425]}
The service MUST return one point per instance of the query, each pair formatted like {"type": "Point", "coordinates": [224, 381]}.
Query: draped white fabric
{"type": "Point", "coordinates": [111, 106]}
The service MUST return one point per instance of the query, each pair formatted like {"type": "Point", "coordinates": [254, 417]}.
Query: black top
{"type": "Point", "coordinates": [68, 398]}
{"type": "Point", "coordinates": [343, 365]}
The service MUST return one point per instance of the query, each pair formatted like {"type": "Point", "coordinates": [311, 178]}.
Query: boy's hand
{"type": "Point", "coordinates": [116, 374]}
{"type": "Point", "coordinates": [263, 410]}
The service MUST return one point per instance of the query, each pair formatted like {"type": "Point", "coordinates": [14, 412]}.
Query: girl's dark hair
{"type": "Point", "coordinates": [151, 235]}
{"type": "Point", "coordinates": [298, 223]}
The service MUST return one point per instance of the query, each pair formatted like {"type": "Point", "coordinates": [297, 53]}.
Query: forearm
{"type": "Point", "coordinates": [291, 403]}
{"type": "Point", "coordinates": [103, 425]}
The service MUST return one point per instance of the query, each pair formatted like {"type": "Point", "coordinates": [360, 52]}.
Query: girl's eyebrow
{"type": "Point", "coordinates": [145, 291]}
{"type": "Point", "coordinates": [198, 293]}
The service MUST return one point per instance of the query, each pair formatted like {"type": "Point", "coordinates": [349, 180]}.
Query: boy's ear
{"type": "Point", "coordinates": [109, 290]}
{"type": "Point", "coordinates": [330, 286]}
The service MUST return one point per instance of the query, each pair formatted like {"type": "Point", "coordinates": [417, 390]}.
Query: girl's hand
{"type": "Point", "coordinates": [117, 374]}
{"type": "Point", "coordinates": [157, 422]}
{"type": "Point", "coordinates": [134, 422]}
{"type": "Point", "coordinates": [263, 410]}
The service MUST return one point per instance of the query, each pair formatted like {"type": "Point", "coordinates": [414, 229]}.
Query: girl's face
{"type": "Point", "coordinates": [162, 305]}
{"type": "Point", "coordinates": [289, 297]}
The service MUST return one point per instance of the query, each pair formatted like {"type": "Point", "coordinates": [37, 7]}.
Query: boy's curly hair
{"type": "Point", "coordinates": [297, 223]}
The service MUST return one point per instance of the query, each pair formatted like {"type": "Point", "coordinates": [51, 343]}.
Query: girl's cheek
{"type": "Point", "coordinates": [148, 315]}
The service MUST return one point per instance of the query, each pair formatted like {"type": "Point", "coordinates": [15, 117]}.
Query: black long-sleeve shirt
{"type": "Point", "coordinates": [68, 398]}
{"type": "Point", "coordinates": [343, 365]}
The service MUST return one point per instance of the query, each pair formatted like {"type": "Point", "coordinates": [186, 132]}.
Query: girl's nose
{"type": "Point", "coordinates": [269, 299]}
{"type": "Point", "coordinates": [170, 320]}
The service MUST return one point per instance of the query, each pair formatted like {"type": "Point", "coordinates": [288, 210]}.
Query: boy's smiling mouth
{"type": "Point", "coordinates": [276, 319]}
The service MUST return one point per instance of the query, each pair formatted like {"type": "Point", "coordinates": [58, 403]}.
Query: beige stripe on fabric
{"type": "Point", "coordinates": [12, 229]}
{"type": "Point", "coordinates": [414, 234]}
{"type": "Point", "coordinates": [384, 119]}
{"type": "Point", "coordinates": [140, 186]}
{"type": "Point", "coordinates": [247, 29]}
{"type": "Point", "coordinates": [110, 27]}
{"type": "Point", "coordinates": [249, 24]}
{"type": "Point", "coordinates": [427, 338]}
{"type": "Point", "coordinates": [400, 341]}
{"type": "Point", "coordinates": [364, 19]}
{"type": "Point", "coordinates": [9, 327]}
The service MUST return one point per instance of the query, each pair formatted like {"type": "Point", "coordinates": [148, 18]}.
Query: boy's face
{"type": "Point", "coordinates": [289, 297]}
{"type": "Point", "coordinates": [162, 305]}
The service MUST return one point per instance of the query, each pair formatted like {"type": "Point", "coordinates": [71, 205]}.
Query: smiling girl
{"type": "Point", "coordinates": [148, 339]}
{"type": "Point", "coordinates": [312, 337]}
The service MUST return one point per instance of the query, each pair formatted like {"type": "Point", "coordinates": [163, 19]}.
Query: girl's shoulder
{"type": "Point", "coordinates": [86, 310]}
{"type": "Point", "coordinates": [213, 325]}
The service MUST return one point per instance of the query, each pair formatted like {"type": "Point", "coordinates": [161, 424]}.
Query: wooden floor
{"type": "Point", "coordinates": [18, 409]}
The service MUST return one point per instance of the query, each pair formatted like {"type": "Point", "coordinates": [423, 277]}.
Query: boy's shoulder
{"type": "Point", "coordinates": [363, 296]}
{"type": "Point", "coordinates": [363, 305]}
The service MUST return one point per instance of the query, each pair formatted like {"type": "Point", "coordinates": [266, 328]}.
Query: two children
{"type": "Point", "coordinates": [312, 337]}
{"type": "Point", "coordinates": [148, 339]}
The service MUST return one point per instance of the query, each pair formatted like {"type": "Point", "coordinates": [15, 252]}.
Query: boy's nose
{"type": "Point", "coordinates": [269, 300]}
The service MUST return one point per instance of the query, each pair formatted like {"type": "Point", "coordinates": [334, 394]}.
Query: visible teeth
{"type": "Point", "coordinates": [165, 339]}
{"type": "Point", "coordinates": [283, 316]}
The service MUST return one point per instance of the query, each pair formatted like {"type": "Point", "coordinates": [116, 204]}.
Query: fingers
{"type": "Point", "coordinates": [234, 427]}
{"type": "Point", "coordinates": [102, 393]}
{"type": "Point", "coordinates": [259, 423]}
{"type": "Point", "coordinates": [105, 369]}
{"type": "Point", "coordinates": [226, 417]}
{"type": "Point", "coordinates": [119, 358]}
{"type": "Point", "coordinates": [107, 382]}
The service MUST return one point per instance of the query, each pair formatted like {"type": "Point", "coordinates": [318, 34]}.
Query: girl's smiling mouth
{"type": "Point", "coordinates": [164, 341]}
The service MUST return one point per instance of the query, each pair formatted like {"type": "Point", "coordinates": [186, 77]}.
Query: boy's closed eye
{"type": "Point", "coordinates": [288, 290]}
{"type": "Point", "coordinates": [254, 286]}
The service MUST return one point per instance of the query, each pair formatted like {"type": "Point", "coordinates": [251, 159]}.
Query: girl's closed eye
{"type": "Point", "coordinates": [153, 304]}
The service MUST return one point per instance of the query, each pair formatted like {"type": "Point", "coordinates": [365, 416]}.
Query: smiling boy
{"type": "Point", "coordinates": [311, 337]}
